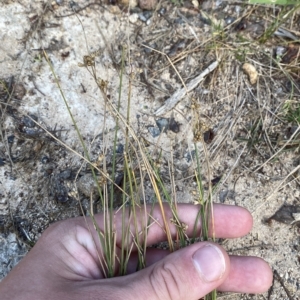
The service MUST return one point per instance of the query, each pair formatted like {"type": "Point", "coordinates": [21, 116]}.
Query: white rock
{"type": "Point", "coordinates": [133, 18]}
{"type": "Point", "coordinates": [133, 3]}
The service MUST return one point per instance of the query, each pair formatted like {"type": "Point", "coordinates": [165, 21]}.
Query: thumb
{"type": "Point", "coordinates": [186, 274]}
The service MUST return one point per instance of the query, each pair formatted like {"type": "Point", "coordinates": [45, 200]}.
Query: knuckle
{"type": "Point", "coordinates": [57, 230]}
{"type": "Point", "coordinates": [165, 281]}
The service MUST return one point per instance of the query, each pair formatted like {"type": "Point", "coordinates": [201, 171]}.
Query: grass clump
{"type": "Point", "coordinates": [138, 169]}
{"type": "Point", "coordinates": [292, 111]}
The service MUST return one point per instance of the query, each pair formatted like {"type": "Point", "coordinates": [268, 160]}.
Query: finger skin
{"type": "Point", "coordinates": [185, 282]}
{"type": "Point", "coordinates": [174, 278]}
{"type": "Point", "coordinates": [247, 274]}
{"type": "Point", "coordinates": [153, 256]}
{"type": "Point", "coordinates": [76, 236]}
{"type": "Point", "coordinates": [229, 222]}
{"type": "Point", "coordinates": [64, 262]}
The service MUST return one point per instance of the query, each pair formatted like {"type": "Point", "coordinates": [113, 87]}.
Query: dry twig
{"type": "Point", "coordinates": [179, 94]}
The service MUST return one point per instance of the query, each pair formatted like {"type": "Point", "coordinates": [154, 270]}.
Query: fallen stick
{"type": "Point", "coordinates": [179, 94]}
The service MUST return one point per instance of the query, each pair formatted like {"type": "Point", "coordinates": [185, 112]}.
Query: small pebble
{"type": "Point", "coordinates": [147, 4]}
{"type": "Point", "coordinates": [162, 11]}
{"type": "Point", "coordinates": [195, 3]}
{"type": "Point", "coordinates": [45, 159]}
{"type": "Point", "coordinates": [208, 136]}
{"type": "Point", "coordinates": [133, 3]}
{"type": "Point", "coordinates": [251, 72]}
{"type": "Point", "coordinates": [133, 18]}
{"type": "Point", "coordinates": [19, 91]}
{"type": "Point", "coordinates": [189, 155]}
{"type": "Point", "coordinates": [179, 21]}
{"type": "Point", "coordinates": [149, 50]}
{"type": "Point", "coordinates": [87, 185]}
{"type": "Point", "coordinates": [163, 124]}
{"type": "Point", "coordinates": [62, 198]}
{"type": "Point", "coordinates": [174, 125]}
{"type": "Point", "coordinates": [145, 16]}
{"type": "Point", "coordinates": [10, 139]}
{"type": "Point", "coordinates": [219, 2]}
{"type": "Point", "coordinates": [120, 149]}
{"type": "Point", "coordinates": [237, 9]}
{"type": "Point", "coordinates": [229, 20]}
{"type": "Point", "coordinates": [73, 5]}
{"type": "Point", "coordinates": [280, 51]}
{"type": "Point", "coordinates": [2, 162]}
{"type": "Point", "coordinates": [65, 174]}
{"type": "Point", "coordinates": [154, 131]}
{"type": "Point", "coordinates": [28, 121]}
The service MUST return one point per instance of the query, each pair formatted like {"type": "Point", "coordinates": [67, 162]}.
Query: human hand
{"type": "Point", "coordinates": [64, 263]}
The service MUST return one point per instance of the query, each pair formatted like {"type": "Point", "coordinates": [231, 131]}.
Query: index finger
{"type": "Point", "coordinates": [227, 222]}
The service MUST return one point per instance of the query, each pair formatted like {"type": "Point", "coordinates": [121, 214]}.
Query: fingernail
{"type": "Point", "coordinates": [209, 262]}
